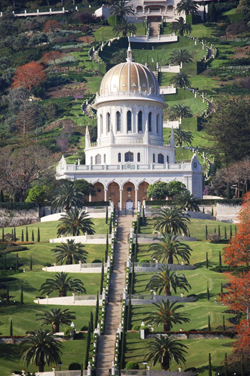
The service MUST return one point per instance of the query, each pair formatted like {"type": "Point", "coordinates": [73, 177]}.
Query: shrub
{"type": "Point", "coordinates": [132, 365]}
{"type": "Point", "coordinates": [74, 366]}
{"type": "Point", "coordinates": [213, 237]}
{"type": "Point", "coordinates": [135, 327]}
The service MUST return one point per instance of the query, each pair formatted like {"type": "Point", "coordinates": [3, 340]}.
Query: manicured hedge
{"type": "Point", "coordinates": [18, 205]}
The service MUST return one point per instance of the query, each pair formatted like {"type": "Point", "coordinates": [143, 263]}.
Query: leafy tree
{"type": "Point", "coordinates": [62, 284]}
{"type": "Point", "coordinates": [41, 348]}
{"type": "Point", "coordinates": [70, 253]}
{"type": "Point", "coordinates": [187, 6]}
{"type": "Point", "coordinates": [244, 8]}
{"type": "Point", "coordinates": [175, 188]}
{"type": "Point", "coordinates": [83, 186]}
{"type": "Point", "coordinates": [29, 76]}
{"type": "Point", "coordinates": [187, 201]}
{"type": "Point", "coordinates": [172, 220]}
{"type": "Point", "coordinates": [212, 14]}
{"type": "Point", "coordinates": [75, 221]}
{"type": "Point", "coordinates": [241, 347]}
{"type": "Point", "coordinates": [180, 27]}
{"type": "Point", "coordinates": [169, 248]}
{"type": "Point", "coordinates": [166, 314]}
{"type": "Point", "coordinates": [121, 9]}
{"type": "Point", "coordinates": [56, 317]}
{"type": "Point", "coordinates": [180, 80]}
{"type": "Point", "coordinates": [166, 280]}
{"type": "Point", "coordinates": [180, 56]}
{"type": "Point", "coordinates": [51, 26]}
{"type": "Point", "coordinates": [52, 56]}
{"type": "Point", "coordinates": [67, 197]}
{"type": "Point", "coordinates": [124, 27]}
{"type": "Point", "coordinates": [157, 190]}
{"type": "Point", "coordinates": [164, 350]}
{"type": "Point", "coordinates": [229, 128]}
{"type": "Point", "coordinates": [37, 194]}
{"type": "Point", "coordinates": [183, 137]}
{"type": "Point", "coordinates": [180, 111]}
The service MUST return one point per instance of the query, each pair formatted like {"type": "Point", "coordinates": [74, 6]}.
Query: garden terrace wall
{"type": "Point", "coordinates": [153, 267]}
{"type": "Point", "coordinates": [227, 212]}
{"type": "Point", "coordinates": [196, 335]}
{"type": "Point", "coordinates": [18, 217]}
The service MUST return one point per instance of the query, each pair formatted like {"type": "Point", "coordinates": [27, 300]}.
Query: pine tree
{"type": "Point", "coordinates": [22, 236]}
{"type": "Point", "coordinates": [27, 234]}
{"type": "Point", "coordinates": [32, 236]}
{"type": "Point", "coordinates": [11, 328]}
{"type": "Point", "coordinates": [21, 295]}
{"type": "Point", "coordinates": [38, 235]}
{"type": "Point", "coordinates": [31, 263]}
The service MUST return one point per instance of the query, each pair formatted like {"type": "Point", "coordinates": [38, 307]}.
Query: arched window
{"type": "Point", "coordinates": [98, 159]}
{"type": "Point", "coordinates": [108, 122]}
{"type": "Point", "coordinates": [157, 123]}
{"type": "Point", "coordinates": [140, 121]}
{"type": "Point", "coordinates": [167, 159]}
{"type": "Point", "coordinates": [119, 157]}
{"type": "Point", "coordinates": [104, 158]}
{"type": "Point", "coordinates": [129, 122]}
{"type": "Point", "coordinates": [118, 121]}
{"type": "Point", "coordinates": [153, 158]}
{"type": "Point", "coordinates": [138, 157]}
{"type": "Point", "coordinates": [150, 122]}
{"type": "Point", "coordinates": [129, 157]}
{"type": "Point", "coordinates": [101, 124]}
{"type": "Point", "coordinates": [160, 158]}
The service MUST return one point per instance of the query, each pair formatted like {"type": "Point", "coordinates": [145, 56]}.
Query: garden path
{"type": "Point", "coordinates": [106, 344]}
{"type": "Point", "coordinates": [154, 27]}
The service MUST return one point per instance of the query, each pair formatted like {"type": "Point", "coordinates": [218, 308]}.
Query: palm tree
{"type": "Point", "coordinates": [167, 280]}
{"type": "Point", "coordinates": [121, 9]}
{"type": "Point", "coordinates": [187, 6]}
{"type": "Point", "coordinates": [180, 27]}
{"type": "Point", "coordinates": [166, 315]}
{"type": "Point", "coordinates": [165, 349]}
{"type": "Point", "coordinates": [55, 317]}
{"type": "Point", "coordinates": [124, 27]}
{"type": "Point", "coordinates": [180, 56]}
{"type": "Point", "coordinates": [183, 136]}
{"type": "Point", "coordinates": [41, 348]}
{"type": "Point", "coordinates": [70, 253]}
{"type": "Point", "coordinates": [180, 80]}
{"type": "Point", "coordinates": [180, 111]}
{"type": "Point", "coordinates": [75, 221]}
{"type": "Point", "coordinates": [187, 201]}
{"type": "Point", "coordinates": [61, 283]}
{"type": "Point", "coordinates": [172, 220]}
{"type": "Point", "coordinates": [67, 196]}
{"type": "Point", "coordinates": [169, 248]}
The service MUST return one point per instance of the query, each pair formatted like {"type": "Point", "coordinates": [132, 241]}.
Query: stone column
{"type": "Point", "coordinates": [121, 199]}
{"type": "Point", "coordinates": [105, 195]}
{"type": "Point", "coordinates": [136, 198]}
{"type": "Point", "coordinates": [90, 198]}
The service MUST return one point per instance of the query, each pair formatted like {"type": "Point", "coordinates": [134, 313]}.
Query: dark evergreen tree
{"type": "Point", "coordinates": [102, 277]}
{"type": "Point", "coordinates": [38, 235]}
{"type": "Point", "coordinates": [31, 263]}
{"type": "Point", "coordinates": [209, 323]}
{"type": "Point", "coordinates": [17, 262]}
{"type": "Point", "coordinates": [1, 196]}
{"type": "Point", "coordinates": [11, 328]}
{"type": "Point", "coordinates": [32, 236]}
{"type": "Point", "coordinates": [27, 234]}
{"type": "Point", "coordinates": [209, 365]}
{"type": "Point", "coordinates": [97, 311]}
{"type": "Point", "coordinates": [212, 14]}
{"type": "Point", "coordinates": [22, 236]}
{"type": "Point", "coordinates": [21, 295]}
{"type": "Point", "coordinates": [225, 235]}
{"type": "Point", "coordinates": [207, 260]}
{"type": "Point", "coordinates": [208, 292]}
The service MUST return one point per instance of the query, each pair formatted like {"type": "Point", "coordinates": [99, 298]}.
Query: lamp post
{"type": "Point", "coordinates": [145, 364]}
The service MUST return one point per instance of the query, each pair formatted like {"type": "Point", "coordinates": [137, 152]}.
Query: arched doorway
{"type": "Point", "coordinates": [99, 192]}
{"type": "Point", "coordinates": [128, 196]}
{"type": "Point", "coordinates": [142, 191]}
{"type": "Point", "coordinates": [129, 204]}
{"type": "Point", "coordinates": [114, 193]}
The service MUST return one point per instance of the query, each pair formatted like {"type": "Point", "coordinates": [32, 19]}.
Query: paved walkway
{"type": "Point", "coordinates": [154, 27]}
{"type": "Point", "coordinates": [106, 342]}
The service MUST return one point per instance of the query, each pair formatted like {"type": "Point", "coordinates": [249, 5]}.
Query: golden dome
{"type": "Point", "coordinates": [129, 78]}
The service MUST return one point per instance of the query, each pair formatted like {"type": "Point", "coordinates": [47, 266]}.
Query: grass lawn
{"type": "Point", "coordinates": [203, 31]}
{"type": "Point", "coordinates": [103, 33]}
{"type": "Point", "coordinates": [73, 352]}
{"type": "Point", "coordinates": [48, 230]}
{"type": "Point", "coordinates": [185, 97]}
{"type": "Point", "coordinates": [197, 353]}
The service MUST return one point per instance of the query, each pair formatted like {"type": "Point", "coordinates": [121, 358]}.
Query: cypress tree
{"type": "Point", "coordinates": [235, 230]}
{"type": "Point", "coordinates": [231, 231]}
{"type": "Point", "coordinates": [87, 347]}
{"type": "Point", "coordinates": [209, 364]}
{"type": "Point", "coordinates": [91, 321]}
{"type": "Point", "coordinates": [212, 212]}
{"type": "Point", "coordinates": [220, 264]}
{"type": "Point", "coordinates": [110, 226]}
{"type": "Point", "coordinates": [97, 311]}
{"type": "Point", "coordinates": [31, 263]}
{"type": "Point", "coordinates": [226, 369]}
{"type": "Point", "coordinates": [206, 233]}
{"type": "Point", "coordinates": [224, 324]}
{"type": "Point", "coordinates": [8, 294]}
{"type": "Point", "coordinates": [32, 236]}
{"type": "Point", "coordinates": [208, 292]}
{"type": "Point", "coordinates": [4, 262]}
{"type": "Point", "coordinates": [21, 295]}
{"type": "Point", "coordinates": [133, 277]}
{"type": "Point", "coordinates": [129, 312]}
{"type": "Point", "coordinates": [107, 247]}
{"type": "Point", "coordinates": [203, 210]}
{"type": "Point", "coordinates": [225, 234]}
{"type": "Point", "coordinates": [22, 236]}
{"type": "Point", "coordinates": [11, 328]}
{"type": "Point", "coordinates": [207, 260]}
{"type": "Point", "coordinates": [1, 196]}
{"type": "Point", "coordinates": [136, 248]}
{"type": "Point", "coordinates": [14, 234]}
{"type": "Point", "coordinates": [228, 192]}
{"type": "Point", "coordinates": [212, 14]}
{"type": "Point", "coordinates": [215, 230]}
{"type": "Point", "coordinates": [209, 323]}
{"type": "Point", "coordinates": [2, 234]}
{"type": "Point", "coordinates": [221, 288]}
{"type": "Point", "coordinates": [27, 234]}
{"type": "Point", "coordinates": [242, 370]}
{"type": "Point", "coordinates": [219, 230]}
{"type": "Point", "coordinates": [17, 263]}
{"type": "Point", "coordinates": [38, 235]}
{"type": "Point", "coordinates": [102, 276]}
{"type": "Point", "coordinates": [107, 215]}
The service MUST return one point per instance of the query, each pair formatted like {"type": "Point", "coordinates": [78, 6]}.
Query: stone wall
{"type": "Point", "coordinates": [227, 213]}
{"type": "Point", "coordinates": [18, 217]}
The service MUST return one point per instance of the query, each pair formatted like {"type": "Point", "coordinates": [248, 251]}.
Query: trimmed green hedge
{"type": "Point", "coordinates": [235, 201]}
{"type": "Point", "coordinates": [18, 205]}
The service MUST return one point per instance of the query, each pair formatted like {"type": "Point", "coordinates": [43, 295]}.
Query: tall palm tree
{"type": "Point", "coordinates": [55, 317]}
{"type": "Point", "coordinates": [180, 111]}
{"type": "Point", "coordinates": [180, 56]}
{"type": "Point", "coordinates": [166, 315]}
{"type": "Point", "coordinates": [187, 201]}
{"type": "Point", "coordinates": [172, 220]}
{"type": "Point", "coordinates": [181, 137]}
{"type": "Point", "coordinates": [70, 253]}
{"type": "Point", "coordinates": [166, 280]}
{"type": "Point", "coordinates": [187, 6]}
{"type": "Point", "coordinates": [180, 27]}
{"type": "Point", "coordinates": [165, 349]}
{"type": "Point", "coordinates": [169, 248]}
{"type": "Point", "coordinates": [62, 283]}
{"type": "Point", "coordinates": [124, 27]}
{"type": "Point", "coordinates": [41, 348]}
{"type": "Point", "coordinates": [180, 80]}
{"type": "Point", "coordinates": [75, 221]}
{"type": "Point", "coordinates": [66, 196]}
{"type": "Point", "coordinates": [121, 8]}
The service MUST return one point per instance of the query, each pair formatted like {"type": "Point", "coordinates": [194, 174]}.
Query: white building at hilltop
{"type": "Point", "coordinates": [130, 152]}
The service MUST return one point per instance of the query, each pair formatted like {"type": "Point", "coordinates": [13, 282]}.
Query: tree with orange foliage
{"type": "Point", "coordinates": [51, 26]}
{"type": "Point", "coordinates": [29, 76]}
{"type": "Point", "coordinates": [237, 253]}
{"type": "Point", "coordinates": [241, 348]}
{"type": "Point", "coordinates": [52, 56]}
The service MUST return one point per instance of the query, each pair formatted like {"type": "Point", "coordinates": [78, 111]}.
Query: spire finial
{"type": "Point", "coordinates": [129, 52]}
